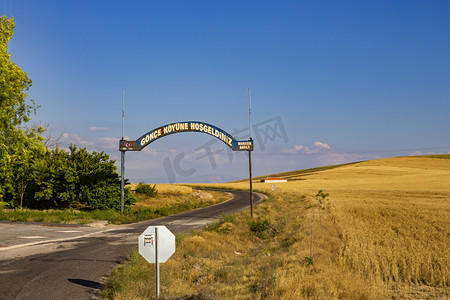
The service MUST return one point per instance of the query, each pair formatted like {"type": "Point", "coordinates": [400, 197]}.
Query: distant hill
{"type": "Point", "coordinates": [298, 174]}
{"type": "Point", "coordinates": [295, 175]}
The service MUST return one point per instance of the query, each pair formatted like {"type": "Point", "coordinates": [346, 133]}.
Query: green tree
{"type": "Point", "coordinates": [97, 183]}
{"type": "Point", "coordinates": [17, 143]}
{"type": "Point", "coordinates": [75, 179]}
{"type": "Point", "coordinates": [22, 161]}
{"type": "Point", "coordinates": [14, 84]}
{"type": "Point", "coordinates": [32, 175]}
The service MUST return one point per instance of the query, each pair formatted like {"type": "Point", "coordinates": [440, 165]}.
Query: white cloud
{"type": "Point", "coordinates": [296, 149]}
{"type": "Point", "coordinates": [316, 148]}
{"type": "Point", "coordinates": [76, 139]}
{"type": "Point", "coordinates": [90, 143]}
{"type": "Point", "coordinates": [321, 145]}
{"type": "Point", "coordinates": [94, 128]}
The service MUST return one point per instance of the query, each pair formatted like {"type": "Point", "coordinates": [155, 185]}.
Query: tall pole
{"type": "Point", "coordinates": [157, 262]}
{"type": "Point", "coordinates": [122, 183]}
{"type": "Point", "coordinates": [123, 113]}
{"type": "Point", "coordinates": [250, 152]}
{"type": "Point", "coordinates": [122, 158]}
{"type": "Point", "coordinates": [250, 112]}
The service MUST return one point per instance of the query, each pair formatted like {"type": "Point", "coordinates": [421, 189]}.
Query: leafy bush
{"type": "Point", "coordinates": [262, 228]}
{"type": "Point", "coordinates": [69, 179]}
{"type": "Point", "coordinates": [259, 225]}
{"type": "Point", "coordinates": [147, 189]}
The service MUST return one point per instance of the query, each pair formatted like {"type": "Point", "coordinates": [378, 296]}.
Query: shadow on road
{"type": "Point", "coordinates": [86, 283]}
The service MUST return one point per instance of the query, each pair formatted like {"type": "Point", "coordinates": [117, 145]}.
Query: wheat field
{"type": "Point", "coordinates": [385, 235]}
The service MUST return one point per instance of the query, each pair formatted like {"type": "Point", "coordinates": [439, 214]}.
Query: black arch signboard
{"type": "Point", "coordinates": [188, 126]}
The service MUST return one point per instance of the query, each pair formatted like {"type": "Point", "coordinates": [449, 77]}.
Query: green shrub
{"type": "Point", "coordinates": [68, 179]}
{"type": "Point", "coordinates": [147, 189]}
{"type": "Point", "coordinates": [262, 228]}
{"type": "Point", "coordinates": [259, 225]}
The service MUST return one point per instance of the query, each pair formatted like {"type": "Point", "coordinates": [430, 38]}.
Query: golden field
{"type": "Point", "coordinates": [173, 194]}
{"type": "Point", "coordinates": [385, 236]}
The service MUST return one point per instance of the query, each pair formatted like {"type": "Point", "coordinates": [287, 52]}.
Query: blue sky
{"type": "Point", "coordinates": [331, 81]}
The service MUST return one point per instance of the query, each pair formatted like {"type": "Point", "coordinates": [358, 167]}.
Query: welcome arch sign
{"type": "Point", "coordinates": [188, 126]}
{"type": "Point", "coordinates": [179, 127]}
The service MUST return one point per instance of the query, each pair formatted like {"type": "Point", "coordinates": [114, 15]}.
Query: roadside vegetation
{"type": "Point", "coordinates": [170, 199]}
{"type": "Point", "coordinates": [380, 231]}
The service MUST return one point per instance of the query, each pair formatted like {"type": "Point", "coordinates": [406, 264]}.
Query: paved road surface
{"type": "Point", "coordinates": [71, 267]}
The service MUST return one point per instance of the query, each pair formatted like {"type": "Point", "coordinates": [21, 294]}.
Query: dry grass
{"type": "Point", "coordinates": [386, 236]}
{"type": "Point", "coordinates": [231, 262]}
{"type": "Point", "coordinates": [195, 198]}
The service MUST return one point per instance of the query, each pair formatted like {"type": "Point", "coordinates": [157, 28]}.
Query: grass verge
{"type": "Point", "coordinates": [166, 203]}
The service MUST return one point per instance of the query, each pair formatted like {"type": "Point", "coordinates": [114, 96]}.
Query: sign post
{"type": "Point", "coordinates": [156, 245]}
{"type": "Point", "coordinates": [157, 262]}
{"type": "Point", "coordinates": [122, 182]}
{"type": "Point", "coordinates": [250, 150]}
{"type": "Point", "coordinates": [122, 157]}
{"type": "Point", "coordinates": [250, 178]}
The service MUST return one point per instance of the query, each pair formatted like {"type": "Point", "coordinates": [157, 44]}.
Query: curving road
{"type": "Point", "coordinates": [72, 268]}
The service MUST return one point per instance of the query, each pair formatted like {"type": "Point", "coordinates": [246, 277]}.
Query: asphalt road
{"type": "Point", "coordinates": [72, 267]}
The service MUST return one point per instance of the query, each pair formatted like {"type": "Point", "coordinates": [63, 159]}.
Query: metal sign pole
{"type": "Point", "coordinates": [250, 152]}
{"type": "Point", "coordinates": [156, 245]}
{"type": "Point", "coordinates": [251, 187]}
{"type": "Point", "coordinates": [122, 183]}
{"type": "Point", "coordinates": [157, 262]}
{"type": "Point", "coordinates": [122, 157]}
